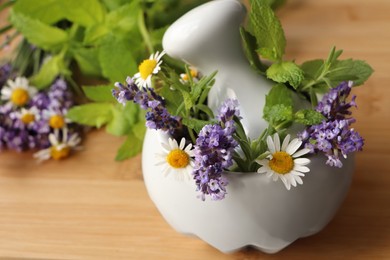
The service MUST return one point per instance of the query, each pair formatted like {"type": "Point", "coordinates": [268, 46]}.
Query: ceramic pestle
{"type": "Point", "coordinates": [208, 38]}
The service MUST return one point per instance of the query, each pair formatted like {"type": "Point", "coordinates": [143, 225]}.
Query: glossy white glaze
{"type": "Point", "coordinates": [208, 38]}
{"type": "Point", "coordinates": [256, 211]}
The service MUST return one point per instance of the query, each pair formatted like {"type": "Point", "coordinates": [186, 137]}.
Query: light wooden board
{"type": "Point", "coordinates": [90, 207]}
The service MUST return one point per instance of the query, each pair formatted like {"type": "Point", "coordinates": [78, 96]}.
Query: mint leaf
{"type": "Point", "coordinates": [279, 94]}
{"type": "Point", "coordinates": [114, 4]}
{"type": "Point", "coordinates": [250, 47]}
{"type": "Point", "coordinates": [95, 33]}
{"type": "Point", "coordinates": [268, 30]}
{"type": "Point", "coordinates": [116, 59]}
{"type": "Point", "coordinates": [286, 71]}
{"type": "Point", "coordinates": [308, 117]}
{"type": "Point", "coordinates": [39, 10]}
{"type": "Point", "coordinates": [38, 33]}
{"type": "Point", "coordinates": [85, 12]}
{"type": "Point", "coordinates": [100, 93]}
{"type": "Point", "coordinates": [278, 114]}
{"type": "Point", "coordinates": [118, 126]}
{"type": "Point", "coordinates": [195, 124]}
{"type": "Point", "coordinates": [343, 70]}
{"type": "Point", "coordinates": [94, 114]}
{"type": "Point", "coordinates": [123, 19]}
{"type": "Point", "coordinates": [88, 61]}
{"type": "Point", "coordinates": [49, 70]}
{"type": "Point", "coordinates": [130, 148]}
{"type": "Point", "coordinates": [278, 109]}
{"type": "Point", "coordinates": [312, 68]}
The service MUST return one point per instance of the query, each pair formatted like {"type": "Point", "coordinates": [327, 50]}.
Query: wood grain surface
{"type": "Point", "coordinates": [90, 207]}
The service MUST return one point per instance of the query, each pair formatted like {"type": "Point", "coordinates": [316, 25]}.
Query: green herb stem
{"type": "Point", "coordinates": [144, 32]}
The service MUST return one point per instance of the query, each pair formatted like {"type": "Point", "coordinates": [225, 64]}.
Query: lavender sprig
{"type": "Point", "coordinates": [158, 116]}
{"type": "Point", "coordinates": [333, 136]}
{"type": "Point", "coordinates": [214, 153]}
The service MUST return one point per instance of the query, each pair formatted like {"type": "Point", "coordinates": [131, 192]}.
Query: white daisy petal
{"type": "Point", "coordinates": [276, 142]}
{"type": "Point", "coordinates": [285, 142]}
{"type": "Point", "coordinates": [301, 152]}
{"type": "Point", "coordinates": [292, 180]}
{"type": "Point", "coordinates": [174, 166]}
{"type": "Point", "coordinates": [270, 144]}
{"type": "Point", "coordinates": [301, 168]}
{"type": "Point", "coordinates": [293, 146]}
{"type": "Point", "coordinates": [182, 143]}
{"type": "Point", "coordinates": [285, 182]}
{"type": "Point", "coordinates": [285, 165]}
{"type": "Point", "coordinates": [302, 161]}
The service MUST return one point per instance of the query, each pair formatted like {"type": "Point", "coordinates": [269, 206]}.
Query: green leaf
{"type": "Point", "coordinates": [132, 112]}
{"type": "Point", "coordinates": [278, 107]}
{"type": "Point", "coordinates": [94, 114]}
{"type": "Point", "coordinates": [40, 10]}
{"type": "Point", "coordinates": [116, 59]}
{"type": "Point", "coordinates": [130, 148]}
{"type": "Point", "coordinates": [195, 124]}
{"type": "Point", "coordinates": [85, 12]}
{"type": "Point", "coordinates": [312, 68]}
{"type": "Point", "coordinates": [49, 70]}
{"type": "Point", "coordinates": [268, 30]}
{"type": "Point", "coordinates": [88, 61]}
{"type": "Point", "coordinates": [95, 33]}
{"type": "Point", "coordinates": [139, 130]}
{"type": "Point", "coordinates": [114, 4]}
{"type": "Point", "coordinates": [119, 125]}
{"type": "Point", "coordinates": [308, 117]}
{"type": "Point", "coordinates": [188, 104]}
{"type": "Point", "coordinates": [286, 71]}
{"type": "Point", "coordinates": [38, 33]}
{"type": "Point", "coordinates": [278, 114]}
{"type": "Point", "coordinates": [250, 47]}
{"type": "Point", "coordinates": [279, 94]}
{"type": "Point", "coordinates": [124, 19]}
{"type": "Point", "coordinates": [343, 70]}
{"type": "Point", "coordinates": [100, 93]}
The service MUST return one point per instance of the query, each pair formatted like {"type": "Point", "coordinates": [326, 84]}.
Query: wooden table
{"type": "Point", "coordinates": [90, 207]}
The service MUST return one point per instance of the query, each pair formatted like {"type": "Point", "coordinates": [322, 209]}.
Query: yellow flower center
{"type": "Point", "coordinates": [146, 68]}
{"type": "Point", "coordinates": [57, 121]}
{"type": "Point", "coordinates": [178, 158]}
{"type": "Point", "coordinates": [193, 73]}
{"type": "Point", "coordinates": [281, 162]}
{"type": "Point", "coordinates": [19, 96]}
{"type": "Point", "coordinates": [27, 118]}
{"type": "Point", "coordinates": [58, 154]}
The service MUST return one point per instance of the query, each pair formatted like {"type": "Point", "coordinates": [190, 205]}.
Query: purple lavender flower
{"type": "Point", "coordinates": [214, 152]}
{"type": "Point", "coordinates": [333, 136]}
{"type": "Point", "coordinates": [158, 116]}
{"type": "Point", "coordinates": [31, 132]}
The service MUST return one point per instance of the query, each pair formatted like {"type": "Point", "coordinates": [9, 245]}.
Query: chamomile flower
{"type": "Point", "coordinates": [283, 162]}
{"type": "Point", "coordinates": [27, 116]}
{"type": "Point", "coordinates": [194, 75]}
{"type": "Point", "coordinates": [176, 159]}
{"type": "Point", "coordinates": [147, 69]}
{"type": "Point", "coordinates": [18, 92]}
{"type": "Point", "coordinates": [56, 118]}
{"type": "Point", "coordinates": [60, 148]}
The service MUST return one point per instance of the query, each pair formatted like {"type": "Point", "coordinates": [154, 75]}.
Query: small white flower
{"type": "Point", "coordinates": [18, 92]}
{"type": "Point", "coordinates": [147, 69]}
{"type": "Point", "coordinates": [283, 162]}
{"type": "Point", "coordinates": [176, 159]}
{"type": "Point", "coordinates": [56, 118]}
{"type": "Point", "coordinates": [194, 75]}
{"type": "Point", "coordinates": [60, 147]}
{"type": "Point", "coordinates": [27, 116]}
